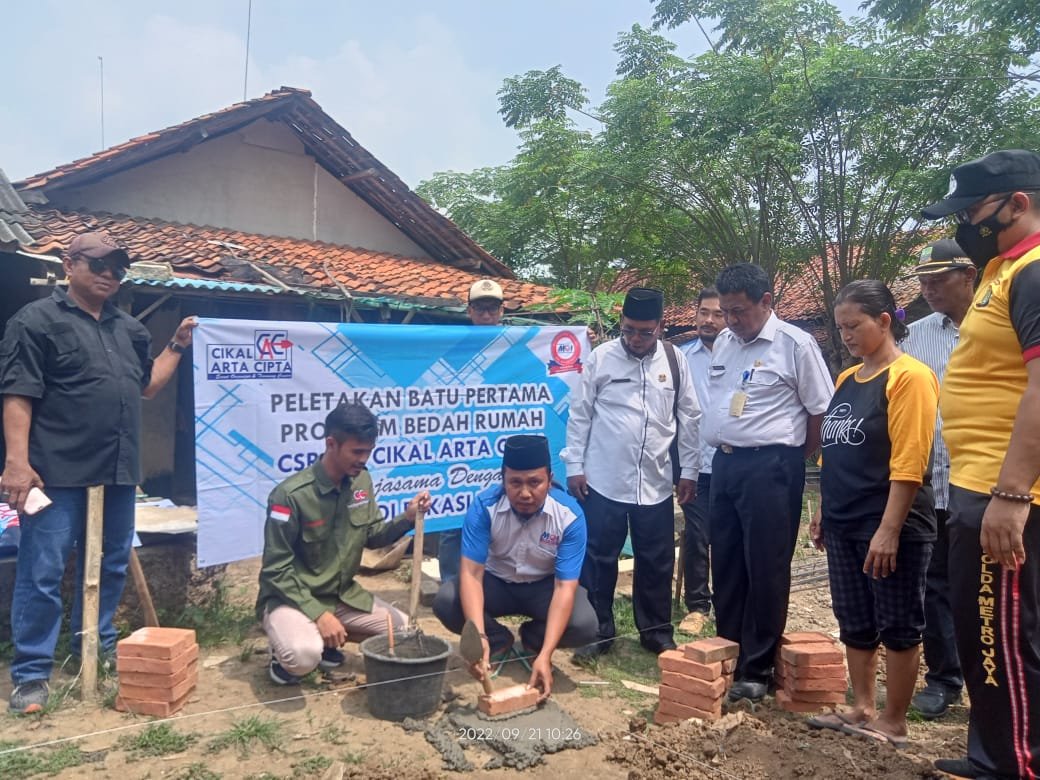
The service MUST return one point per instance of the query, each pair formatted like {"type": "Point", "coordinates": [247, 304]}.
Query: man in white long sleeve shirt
{"type": "Point", "coordinates": [622, 422]}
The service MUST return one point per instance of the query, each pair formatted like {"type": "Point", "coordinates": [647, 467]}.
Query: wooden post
{"type": "Point", "coordinates": [417, 557]}
{"type": "Point", "coordinates": [680, 565]}
{"type": "Point", "coordinates": [91, 591]}
{"type": "Point", "coordinates": [144, 595]}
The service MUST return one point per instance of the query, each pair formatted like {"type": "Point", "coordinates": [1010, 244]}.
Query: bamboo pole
{"type": "Point", "coordinates": [417, 558]}
{"type": "Point", "coordinates": [91, 591]}
{"type": "Point", "coordinates": [144, 595]}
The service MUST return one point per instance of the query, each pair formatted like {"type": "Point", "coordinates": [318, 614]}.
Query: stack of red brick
{"type": "Point", "coordinates": [810, 672]}
{"type": "Point", "coordinates": [158, 670]}
{"type": "Point", "coordinates": [695, 679]}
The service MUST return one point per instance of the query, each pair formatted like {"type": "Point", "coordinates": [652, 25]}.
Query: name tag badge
{"type": "Point", "coordinates": [736, 403]}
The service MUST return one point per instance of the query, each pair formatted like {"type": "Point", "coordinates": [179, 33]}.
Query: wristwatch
{"type": "Point", "coordinates": [173, 346]}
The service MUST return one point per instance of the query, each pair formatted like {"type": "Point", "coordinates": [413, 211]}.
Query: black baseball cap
{"type": "Point", "coordinates": [1009, 170]}
{"type": "Point", "coordinates": [941, 256]}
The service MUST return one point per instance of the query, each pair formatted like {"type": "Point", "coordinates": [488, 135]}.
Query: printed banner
{"type": "Point", "coordinates": [446, 397]}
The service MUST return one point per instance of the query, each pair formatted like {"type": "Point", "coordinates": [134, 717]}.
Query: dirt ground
{"type": "Point", "coordinates": [324, 729]}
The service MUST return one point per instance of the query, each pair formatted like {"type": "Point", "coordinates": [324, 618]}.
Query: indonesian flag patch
{"type": "Point", "coordinates": [279, 513]}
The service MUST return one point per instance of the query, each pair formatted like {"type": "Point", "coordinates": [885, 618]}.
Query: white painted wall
{"type": "Point", "coordinates": [257, 180]}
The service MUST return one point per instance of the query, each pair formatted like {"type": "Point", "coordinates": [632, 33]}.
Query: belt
{"type": "Point", "coordinates": [730, 450]}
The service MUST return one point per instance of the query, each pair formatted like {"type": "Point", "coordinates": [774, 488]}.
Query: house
{"type": "Point", "coordinates": [267, 209]}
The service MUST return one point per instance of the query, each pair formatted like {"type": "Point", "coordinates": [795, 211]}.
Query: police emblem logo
{"type": "Point", "coordinates": [953, 186]}
{"type": "Point", "coordinates": [662, 377]}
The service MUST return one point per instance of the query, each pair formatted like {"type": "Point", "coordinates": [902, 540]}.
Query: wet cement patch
{"type": "Point", "coordinates": [518, 742]}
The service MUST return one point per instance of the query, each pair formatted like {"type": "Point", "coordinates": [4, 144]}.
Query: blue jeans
{"type": "Point", "coordinates": [449, 554]}
{"type": "Point", "coordinates": [47, 540]}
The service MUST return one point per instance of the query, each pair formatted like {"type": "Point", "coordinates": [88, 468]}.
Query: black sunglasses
{"type": "Point", "coordinates": [98, 266]}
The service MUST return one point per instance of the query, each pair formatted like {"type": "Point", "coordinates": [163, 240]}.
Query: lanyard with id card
{"type": "Point", "coordinates": [739, 399]}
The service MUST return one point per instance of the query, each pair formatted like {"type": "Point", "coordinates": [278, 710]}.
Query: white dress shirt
{"type": "Point", "coordinates": [931, 341]}
{"type": "Point", "coordinates": [786, 380]}
{"type": "Point", "coordinates": [622, 423]}
{"type": "Point", "coordinates": [698, 357]}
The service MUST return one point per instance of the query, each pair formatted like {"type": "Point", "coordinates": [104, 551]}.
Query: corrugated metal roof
{"type": "Point", "coordinates": [214, 284]}
{"type": "Point", "coordinates": [12, 209]}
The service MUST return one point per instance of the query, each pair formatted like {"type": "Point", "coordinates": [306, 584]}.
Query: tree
{"type": "Point", "coordinates": [799, 136]}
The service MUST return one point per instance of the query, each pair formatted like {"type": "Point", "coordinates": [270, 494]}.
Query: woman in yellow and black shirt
{"type": "Point", "coordinates": [877, 518]}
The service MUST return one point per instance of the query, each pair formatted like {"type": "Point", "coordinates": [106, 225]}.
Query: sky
{"type": "Point", "coordinates": [414, 82]}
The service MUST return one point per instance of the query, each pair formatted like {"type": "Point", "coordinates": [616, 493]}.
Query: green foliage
{"type": "Point", "coordinates": [220, 620]}
{"type": "Point", "coordinates": [312, 766]}
{"type": "Point", "coordinates": [38, 761]}
{"type": "Point", "coordinates": [157, 739]}
{"type": "Point", "coordinates": [244, 733]}
{"type": "Point", "coordinates": [601, 311]}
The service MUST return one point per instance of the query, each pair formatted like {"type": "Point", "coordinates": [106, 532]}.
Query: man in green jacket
{"type": "Point", "coordinates": [318, 521]}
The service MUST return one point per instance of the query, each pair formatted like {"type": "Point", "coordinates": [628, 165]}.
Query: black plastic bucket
{"type": "Point", "coordinates": [408, 683]}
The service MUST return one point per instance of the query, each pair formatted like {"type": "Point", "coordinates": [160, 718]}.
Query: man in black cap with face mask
{"type": "Point", "coordinates": [636, 396]}
{"type": "Point", "coordinates": [990, 406]}
{"type": "Point", "coordinates": [523, 543]}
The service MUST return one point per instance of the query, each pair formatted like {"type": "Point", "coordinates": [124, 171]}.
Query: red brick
{"type": "Point", "coordinates": [506, 700]}
{"type": "Point", "coordinates": [787, 704]}
{"type": "Point", "coordinates": [815, 672]}
{"type": "Point", "coordinates": [145, 693]}
{"type": "Point", "coordinates": [154, 642]}
{"type": "Point", "coordinates": [711, 689]}
{"type": "Point", "coordinates": [729, 666]}
{"type": "Point", "coordinates": [145, 680]}
{"type": "Point", "coordinates": [820, 684]}
{"type": "Point", "coordinates": [674, 709]}
{"type": "Point", "coordinates": [692, 700]}
{"type": "Point", "coordinates": [676, 661]}
{"type": "Point", "coordinates": [821, 697]}
{"type": "Point", "coordinates": [811, 655]}
{"type": "Point", "coordinates": [157, 666]}
{"type": "Point", "coordinates": [706, 651]}
{"type": "Point", "coordinates": [805, 638]}
{"type": "Point", "coordinates": [158, 709]}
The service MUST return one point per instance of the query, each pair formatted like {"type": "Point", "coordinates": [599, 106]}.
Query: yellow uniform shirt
{"type": "Point", "coordinates": [986, 376]}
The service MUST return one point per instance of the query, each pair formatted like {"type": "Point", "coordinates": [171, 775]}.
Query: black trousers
{"type": "Point", "coordinates": [940, 643]}
{"type": "Point", "coordinates": [530, 599]}
{"type": "Point", "coordinates": [754, 512]}
{"type": "Point", "coordinates": [653, 545]}
{"type": "Point", "coordinates": [996, 613]}
{"type": "Point", "coordinates": [696, 591]}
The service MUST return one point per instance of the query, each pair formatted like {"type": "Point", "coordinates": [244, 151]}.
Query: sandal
{"type": "Point", "coordinates": [833, 721]}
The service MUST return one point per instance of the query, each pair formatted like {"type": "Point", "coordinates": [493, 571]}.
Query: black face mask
{"type": "Point", "coordinates": [979, 241]}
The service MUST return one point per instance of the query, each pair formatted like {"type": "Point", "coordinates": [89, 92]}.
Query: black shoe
{"type": "Point", "coordinates": [748, 689]}
{"type": "Point", "coordinates": [658, 646]}
{"type": "Point", "coordinates": [934, 701]}
{"type": "Point", "coordinates": [331, 658]}
{"type": "Point", "coordinates": [588, 654]}
{"type": "Point", "coordinates": [960, 767]}
{"type": "Point", "coordinates": [279, 676]}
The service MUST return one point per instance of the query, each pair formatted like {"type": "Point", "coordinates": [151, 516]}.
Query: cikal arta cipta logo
{"type": "Point", "coordinates": [268, 357]}
{"type": "Point", "coordinates": [565, 353]}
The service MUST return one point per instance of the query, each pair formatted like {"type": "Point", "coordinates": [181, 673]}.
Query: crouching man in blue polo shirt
{"type": "Point", "coordinates": [523, 543]}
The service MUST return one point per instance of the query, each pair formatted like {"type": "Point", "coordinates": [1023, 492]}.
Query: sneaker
{"type": "Point", "coordinates": [331, 658]}
{"type": "Point", "coordinates": [934, 701]}
{"type": "Point", "coordinates": [693, 623]}
{"type": "Point", "coordinates": [29, 697]}
{"type": "Point", "coordinates": [958, 767]}
{"type": "Point", "coordinates": [279, 676]}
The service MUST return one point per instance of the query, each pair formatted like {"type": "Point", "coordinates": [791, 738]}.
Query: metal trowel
{"type": "Point", "coordinates": [471, 648]}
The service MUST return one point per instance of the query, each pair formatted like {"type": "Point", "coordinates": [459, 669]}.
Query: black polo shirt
{"type": "Point", "coordinates": [85, 377]}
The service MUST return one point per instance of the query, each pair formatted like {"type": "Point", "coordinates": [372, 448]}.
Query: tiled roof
{"type": "Point", "coordinates": [199, 252]}
{"type": "Point", "coordinates": [12, 214]}
{"type": "Point", "coordinates": [329, 143]}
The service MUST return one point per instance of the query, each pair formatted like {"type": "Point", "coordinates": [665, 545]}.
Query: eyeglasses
{"type": "Point", "coordinates": [629, 333]}
{"type": "Point", "coordinates": [486, 308]}
{"type": "Point", "coordinates": [98, 266]}
{"type": "Point", "coordinates": [965, 216]}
